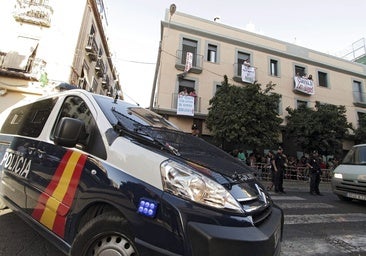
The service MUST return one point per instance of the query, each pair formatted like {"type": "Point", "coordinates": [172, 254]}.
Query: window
{"type": "Point", "coordinates": [242, 58]}
{"type": "Point", "coordinates": [100, 51]}
{"type": "Point", "coordinates": [212, 53]}
{"type": "Point", "coordinates": [323, 79]}
{"type": "Point", "coordinates": [218, 87]}
{"type": "Point", "coordinates": [279, 107]}
{"type": "Point", "coordinates": [273, 67]}
{"type": "Point", "coordinates": [189, 46]}
{"type": "Point", "coordinates": [92, 30]}
{"type": "Point", "coordinates": [358, 92]}
{"type": "Point", "coordinates": [85, 68]}
{"type": "Point", "coordinates": [186, 84]}
{"type": "Point", "coordinates": [361, 119]}
{"type": "Point", "coordinates": [29, 120]}
{"type": "Point", "coordinates": [300, 71]}
{"type": "Point", "coordinates": [301, 103]}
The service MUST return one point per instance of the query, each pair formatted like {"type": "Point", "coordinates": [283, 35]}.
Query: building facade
{"type": "Point", "coordinates": [47, 44]}
{"type": "Point", "coordinates": [195, 54]}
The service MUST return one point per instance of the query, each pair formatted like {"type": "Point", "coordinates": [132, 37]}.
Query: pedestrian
{"type": "Point", "coordinates": [193, 93]}
{"type": "Point", "coordinates": [195, 130]}
{"type": "Point", "coordinates": [184, 92]}
{"type": "Point", "coordinates": [279, 165]}
{"type": "Point", "coordinates": [241, 155]}
{"type": "Point", "coordinates": [315, 173]}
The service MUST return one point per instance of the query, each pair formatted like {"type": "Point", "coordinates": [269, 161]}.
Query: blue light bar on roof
{"type": "Point", "coordinates": [147, 207]}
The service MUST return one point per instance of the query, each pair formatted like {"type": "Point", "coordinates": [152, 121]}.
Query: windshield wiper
{"type": "Point", "coordinates": [141, 133]}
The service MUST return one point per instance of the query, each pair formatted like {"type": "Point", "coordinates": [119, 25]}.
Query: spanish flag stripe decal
{"type": "Point", "coordinates": [37, 213]}
{"type": "Point", "coordinates": [59, 171]}
{"type": "Point", "coordinates": [55, 201]}
{"type": "Point", "coordinates": [60, 221]}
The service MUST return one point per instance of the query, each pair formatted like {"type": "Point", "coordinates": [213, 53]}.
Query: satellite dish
{"type": "Point", "coordinates": [173, 7]}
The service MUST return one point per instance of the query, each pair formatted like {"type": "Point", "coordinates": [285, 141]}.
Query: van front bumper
{"type": "Point", "coordinates": [214, 240]}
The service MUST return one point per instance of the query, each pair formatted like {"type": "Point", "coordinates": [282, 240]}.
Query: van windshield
{"type": "Point", "coordinates": [131, 114]}
{"type": "Point", "coordinates": [357, 156]}
{"type": "Point", "coordinates": [151, 129]}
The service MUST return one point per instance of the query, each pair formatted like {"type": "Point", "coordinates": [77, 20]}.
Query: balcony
{"type": "Point", "coordinates": [92, 48]}
{"type": "Point", "coordinates": [33, 12]}
{"type": "Point", "coordinates": [105, 82]}
{"type": "Point", "coordinates": [359, 99]}
{"type": "Point", "coordinates": [238, 77]}
{"type": "Point", "coordinates": [100, 68]}
{"type": "Point", "coordinates": [196, 62]}
{"type": "Point", "coordinates": [197, 103]}
{"type": "Point", "coordinates": [32, 68]}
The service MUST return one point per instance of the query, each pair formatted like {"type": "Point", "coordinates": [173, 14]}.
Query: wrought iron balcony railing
{"type": "Point", "coordinates": [34, 12]}
{"type": "Point", "coordinates": [92, 48]}
{"type": "Point", "coordinates": [33, 68]}
{"type": "Point", "coordinates": [100, 68]}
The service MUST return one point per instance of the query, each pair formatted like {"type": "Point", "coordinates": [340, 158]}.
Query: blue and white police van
{"type": "Point", "coordinates": [99, 176]}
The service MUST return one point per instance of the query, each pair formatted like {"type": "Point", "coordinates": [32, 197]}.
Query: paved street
{"type": "Point", "coordinates": [17, 238]}
{"type": "Point", "coordinates": [321, 225]}
{"type": "Point", "coordinates": [314, 226]}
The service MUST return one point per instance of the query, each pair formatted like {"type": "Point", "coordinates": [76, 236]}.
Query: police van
{"type": "Point", "coordinates": [99, 176]}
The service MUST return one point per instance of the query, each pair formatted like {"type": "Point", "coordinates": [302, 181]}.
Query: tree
{"type": "Point", "coordinates": [322, 128]}
{"type": "Point", "coordinates": [245, 115]}
{"type": "Point", "coordinates": [360, 132]}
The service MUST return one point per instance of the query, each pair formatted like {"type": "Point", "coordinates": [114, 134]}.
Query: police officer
{"type": "Point", "coordinates": [315, 173]}
{"type": "Point", "coordinates": [279, 165]}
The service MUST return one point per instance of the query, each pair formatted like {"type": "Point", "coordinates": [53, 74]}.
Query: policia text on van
{"type": "Point", "coordinates": [97, 175]}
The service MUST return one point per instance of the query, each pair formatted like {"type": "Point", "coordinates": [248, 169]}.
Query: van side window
{"type": "Point", "coordinates": [75, 107]}
{"type": "Point", "coordinates": [30, 119]}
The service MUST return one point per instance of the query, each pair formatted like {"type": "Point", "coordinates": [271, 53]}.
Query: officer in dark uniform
{"type": "Point", "coordinates": [279, 165]}
{"type": "Point", "coordinates": [315, 173]}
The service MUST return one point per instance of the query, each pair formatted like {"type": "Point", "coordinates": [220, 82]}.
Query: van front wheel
{"type": "Point", "coordinates": [104, 235]}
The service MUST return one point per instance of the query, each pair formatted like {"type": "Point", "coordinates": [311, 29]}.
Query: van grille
{"type": "Point", "coordinates": [260, 209]}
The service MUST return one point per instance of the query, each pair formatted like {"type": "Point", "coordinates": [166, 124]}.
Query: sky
{"type": "Point", "coordinates": [134, 30]}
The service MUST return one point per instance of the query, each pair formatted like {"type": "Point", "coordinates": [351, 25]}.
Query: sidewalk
{"type": "Point", "coordinates": [300, 185]}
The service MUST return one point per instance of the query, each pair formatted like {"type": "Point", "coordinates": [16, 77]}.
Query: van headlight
{"type": "Point", "coordinates": [185, 182]}
{"type": "Point", "coordinates": [338, 175]}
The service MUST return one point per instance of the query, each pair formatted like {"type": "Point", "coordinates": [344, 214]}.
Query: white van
{"type": "Point", "coordinates": [349, 178]}
{"type": "Point", "coordinates": [99, 176]}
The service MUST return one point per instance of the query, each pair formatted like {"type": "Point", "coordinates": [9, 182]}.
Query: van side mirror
{"type": "Point", "coordinates": [69, 131]}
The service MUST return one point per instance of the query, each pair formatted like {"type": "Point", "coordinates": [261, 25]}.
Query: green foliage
{"type": "Point", "coordinates": [360, 132]}
{"type": "Point", "coordinates": [245, 115]}
{"type": "Point", "coordinates": [322, 128]}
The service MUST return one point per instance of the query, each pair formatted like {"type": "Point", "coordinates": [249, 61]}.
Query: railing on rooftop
{"type": "Point", "coordinates": [357, 49]}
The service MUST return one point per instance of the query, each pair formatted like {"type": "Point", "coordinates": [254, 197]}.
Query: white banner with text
{"type": "Point", "coordinates": [185, 105]}
{"type": "Point", "coordinates": [304, 85]}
